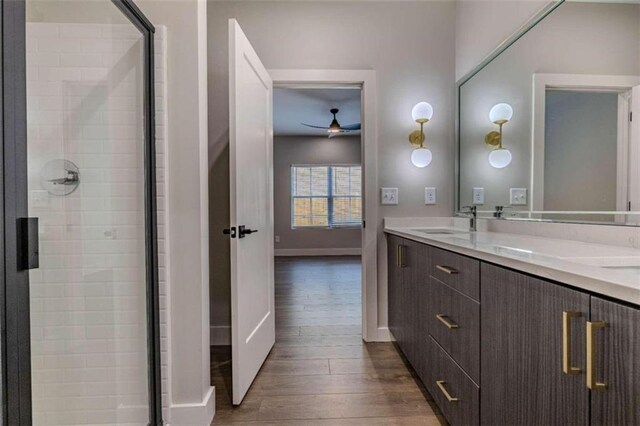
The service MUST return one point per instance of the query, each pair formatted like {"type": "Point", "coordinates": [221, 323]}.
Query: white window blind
{"type": "Point", "coordinates": [326, 196]}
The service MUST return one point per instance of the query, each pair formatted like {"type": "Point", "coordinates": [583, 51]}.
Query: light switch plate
{"type": "Point", "coordinates": [478, 196]}
{"type": "Point", "coordinates": [429, 196]}
{"type": "Point", "coordinates": [277, 238]}
{"type": "Point", "coordinates": [518, 196]}
{"type": "Point", "coordinates": [389, 196]}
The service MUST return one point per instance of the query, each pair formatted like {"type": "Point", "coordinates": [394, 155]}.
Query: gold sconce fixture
{"type": "Point", "coordinates": [421, 156]}
{"type": "Point", "coordinates": [499, 157]}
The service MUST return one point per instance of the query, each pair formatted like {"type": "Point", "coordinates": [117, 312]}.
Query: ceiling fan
{"type": "Point", "coordinates": [335, 129]}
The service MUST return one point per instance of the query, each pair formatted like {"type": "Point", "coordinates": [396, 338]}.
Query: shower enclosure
{"type": "Point", "coordinates": [78, 298]}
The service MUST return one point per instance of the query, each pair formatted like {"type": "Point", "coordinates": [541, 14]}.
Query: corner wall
{"type": "Point", "coordinates": [190, 394]}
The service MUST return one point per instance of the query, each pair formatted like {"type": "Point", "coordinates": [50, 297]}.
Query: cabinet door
{"type": "Point", "coordinates": [394, 283]}
{"type": "Point", "coordinates": [615, 352]}
{"type": "Point", "coordinates": [411, 275]}
{"type": "Point", "coordinates": [522, 351]}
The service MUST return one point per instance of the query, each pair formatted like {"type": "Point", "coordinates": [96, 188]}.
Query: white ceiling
{"type": "Point", "coordinates": [293, 106]}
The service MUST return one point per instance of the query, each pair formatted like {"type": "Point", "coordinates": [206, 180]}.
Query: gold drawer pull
{"type": "Point", "coordinates": [440, 384]}
{"type": "Point", "coordinates": [566, 342]}
{"type": "Point", "coordinates": [446, 269]}
{"type": "Point", "coordinates": [400, 256]}
{"type": "Point", "coordinates": [592, 328]}
{"type": "Point", "coordinates": [443, 319]}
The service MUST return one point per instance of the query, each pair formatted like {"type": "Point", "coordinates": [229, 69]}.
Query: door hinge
{"type": "Point", "coordinates": [630, 115]}
{"type": "Point", "coordinates": [364, 224]}
{"type": "Point", "coordinates": [629, 206]}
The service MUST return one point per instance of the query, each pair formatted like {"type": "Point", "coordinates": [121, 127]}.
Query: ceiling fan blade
{"type": "Point", "coordinates": [356, 126]}
{"type": "Point", "coordinates": [315, 127]}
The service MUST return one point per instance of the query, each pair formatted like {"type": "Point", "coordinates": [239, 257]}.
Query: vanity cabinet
{"type": "Point", "coordinates": [495, 346]}
{"type": "Point", "coordinates": [404, 263]}
{"type": "Point", "coordinates": [523, 346]}
{"type": "Point", "coordinates": [615, 355]}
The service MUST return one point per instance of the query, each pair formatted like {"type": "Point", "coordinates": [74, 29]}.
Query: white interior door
{"type": "Point", "coordinates": [251, 170]}
{"type": "Point", "coordinates": [634, 155]}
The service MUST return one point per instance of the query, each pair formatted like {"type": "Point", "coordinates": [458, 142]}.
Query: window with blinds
{"type": "Point", "coordinates": [326, 196]}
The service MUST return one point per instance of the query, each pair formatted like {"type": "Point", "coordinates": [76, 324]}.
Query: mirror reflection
{"type": "Point", "coordinates": [546, 129]}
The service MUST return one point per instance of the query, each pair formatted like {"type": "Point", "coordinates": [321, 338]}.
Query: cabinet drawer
{"type": "Point", "coordinates": [454, 392]}
{"type": "Point", "coordinates": [460, 272]}
{"type": "Point", "coordinates": [453, 319]}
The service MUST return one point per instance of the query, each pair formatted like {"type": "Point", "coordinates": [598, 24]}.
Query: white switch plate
{"type": "Point", "coordinates": [429, 196]}
{"type": "Point", "coordinates": [389, 196]}
{"type": "Point", "coordinates": [518, 196]}
{"type": "Point", "coordinates": [478, 196]}
{"type": "Point", "coordinates": [277, 238]}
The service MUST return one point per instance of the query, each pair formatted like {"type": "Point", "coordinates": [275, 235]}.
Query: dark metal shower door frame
{"type": "Point", "coordinates": [15, 340]}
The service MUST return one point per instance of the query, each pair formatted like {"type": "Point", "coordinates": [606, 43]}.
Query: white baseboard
{"type": "Point", "coordinates": [356, 251]}
{"type": "Point", "coordinates": [384, 335]}
{"type": "Point", "coordinates": [194, 414]}
{"type": "Point", "coordinates": [220, 335]}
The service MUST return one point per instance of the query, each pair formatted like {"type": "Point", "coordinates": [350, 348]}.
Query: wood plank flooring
{"type": "Point", "coordinates": [320, 372]}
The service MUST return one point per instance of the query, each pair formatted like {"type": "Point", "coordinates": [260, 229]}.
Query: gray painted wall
{"type": "Point", "coordinates": [482, 25]}
{"type": "Point", "coordinates": [580, 151]}
{"type": "Point", "coordinates": [410, 45]}
{"type": "Point", "coordinates": [288, 150]}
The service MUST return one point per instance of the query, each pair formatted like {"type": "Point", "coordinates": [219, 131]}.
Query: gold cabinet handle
{"type": "Point", "coordinates": [401, 255]}
{"type": "Point", "coordinates": [446, 394]}
{"type": "Point", "coordinates": [446, 269]}
{"type": "Point", "coordinates": [443, 319]}
{"type": "Point", "coordinates": [592, 328]}
{"type": "Point", "coordinates": [566, 342]}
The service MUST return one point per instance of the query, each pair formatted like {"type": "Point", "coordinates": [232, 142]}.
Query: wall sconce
{"type": "Point", "coordinates": [421, 156]}
{"type": "Point", "coordinates": [500, 157]}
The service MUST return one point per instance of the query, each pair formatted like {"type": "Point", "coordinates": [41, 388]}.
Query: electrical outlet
{"type": "Point", "coordinates": [429, 196]}
{"type": "Point", "coordinates": [478, 196]}
{"type": "Point", "coordinates": [518, 196]}
{"type": "Point", "coordinates": [277, 238]}
{"type": "Point", "coordinates": [389, 196]}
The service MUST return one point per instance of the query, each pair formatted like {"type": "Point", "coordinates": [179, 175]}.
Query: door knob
{"type": "Point", "coordinates": [230, 231]}
{"type": "Point", "coordinates": [242, 231]}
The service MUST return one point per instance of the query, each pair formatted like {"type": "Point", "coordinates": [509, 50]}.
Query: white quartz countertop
{"type": "Point", "coordinates": [613, 271]}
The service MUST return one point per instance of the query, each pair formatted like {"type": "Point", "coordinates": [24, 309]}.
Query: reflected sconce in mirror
{"type": "Point", "coordinates": [421, 156]}
{"type": "Point", "coordinates": [500, 157]}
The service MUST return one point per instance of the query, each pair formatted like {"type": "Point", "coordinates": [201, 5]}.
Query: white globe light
{"type": "Point", "coordinates": [422, 111]}
{"type": "Point", "coordinates": [501, 112]}
{"type": "Point", "coordinates": [421, 157]}
{"type": "Point", "coordinates": [500, 158]}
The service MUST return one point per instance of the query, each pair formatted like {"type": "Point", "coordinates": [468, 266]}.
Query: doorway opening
{"type": "Point", "coordinates": [318, 202]}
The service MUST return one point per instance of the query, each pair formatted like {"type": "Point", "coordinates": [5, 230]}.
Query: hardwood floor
{"type": "Point", "coordinates": [320, 372]}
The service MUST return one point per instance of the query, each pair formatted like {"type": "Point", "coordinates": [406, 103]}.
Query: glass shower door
{"type": "Point", "coordinates": [86, 185]}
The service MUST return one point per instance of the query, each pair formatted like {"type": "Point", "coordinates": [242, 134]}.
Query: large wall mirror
{"type": "Point", "coordinates": [545, 126]}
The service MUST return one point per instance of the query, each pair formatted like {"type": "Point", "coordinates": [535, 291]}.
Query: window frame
{"type": "Point", "coordinates": [330, 196]}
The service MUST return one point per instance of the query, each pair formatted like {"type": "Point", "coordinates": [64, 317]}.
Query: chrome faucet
{"type": "Point", "coordinates": [473, 217]}
{"type": "Point", "coordinates": [499, 212]}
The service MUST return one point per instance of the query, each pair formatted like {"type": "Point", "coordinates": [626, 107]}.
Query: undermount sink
{"type": "Point", "coordinates": [440, 231]}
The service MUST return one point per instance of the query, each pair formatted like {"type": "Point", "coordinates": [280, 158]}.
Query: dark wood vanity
{"type": "Point", "coordinates": [495, 346]}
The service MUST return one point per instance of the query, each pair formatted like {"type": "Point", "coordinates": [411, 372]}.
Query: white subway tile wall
{"type": "Point", "coordinates": [88, 298]}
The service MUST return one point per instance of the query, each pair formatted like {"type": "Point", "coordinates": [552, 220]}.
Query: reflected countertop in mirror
{"type": "Point", "coordinates": [566, 144]}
